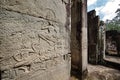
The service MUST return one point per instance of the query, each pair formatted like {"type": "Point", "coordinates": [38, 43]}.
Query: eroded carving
{"type": "Point", "coordinates": [36, 47]}
{"type": "Point", "coordinates": [22, 54]}
{"type": "Point", "coordinates": [32, 41]}
{"type": "Point", "coordinates": [8, 74]}
{"type": "Point", "coordinates": [49, 33]}
{"type": "Point", "coordinates": [50, 14]}
{"type": "Point", "coordinates": [26, 69]}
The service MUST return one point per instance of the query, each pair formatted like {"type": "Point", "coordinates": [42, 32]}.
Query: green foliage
{"type": "Point", "coordinates": [112, 26]}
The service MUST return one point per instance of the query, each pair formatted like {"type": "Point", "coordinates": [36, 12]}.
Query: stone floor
{"type": "Point", "coordinates": [98, 72]}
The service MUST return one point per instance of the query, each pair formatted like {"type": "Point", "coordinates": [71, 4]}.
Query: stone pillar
{"type": "Point", "coordinates": [79, 35]}
{"type": "Point", "coordinates": [34, 39]}
{"type": "Point", "coordinates": [102, 42]}
{"type": "Point", "coordinates": [93, 27]}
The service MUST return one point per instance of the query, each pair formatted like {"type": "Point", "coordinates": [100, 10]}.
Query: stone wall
{"type": "Point", "coordinates": [34, 39]}
{"type": "Point", "coordinates": [113, 42]}
{"type": "Point", "coordinates": [118, 43]}
{"type": "Point", "coordinates": [93, 30]}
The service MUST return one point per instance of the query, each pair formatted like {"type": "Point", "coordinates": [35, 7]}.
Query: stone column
{"type": "Point", "coordinates": [93, 29]}
{"type": "Point", "coordinates": [102, 42]}
{"type": "Point", "coordinates": [79, 35]}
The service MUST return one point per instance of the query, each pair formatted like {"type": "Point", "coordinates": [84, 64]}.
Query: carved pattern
{"type": "Point", "coordinates": [50, 14]}
{"type": "Point", "coordinates": [22, 54]}
{"type": "Point", "coordinates": [26, 69]}
{"type": "Point", "coordinates": [9, 74]}
{"type": "Point", "coordinates": [50, 34]}
{"type": "Point", "coordinates": [34, 45]}
{"type": "Point", "coordinates": [35, 66]}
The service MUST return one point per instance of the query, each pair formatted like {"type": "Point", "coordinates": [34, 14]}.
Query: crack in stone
{"type": "Point", "coordinates": [28, 14]}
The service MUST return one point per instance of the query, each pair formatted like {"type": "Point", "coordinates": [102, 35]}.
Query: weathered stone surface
{"type": "Point", "coordinates": [79, 35]}
{"type": "Point", "coordinates": [102, 73]}
{"type": "Point", "coordinates": [93, 30]}
{"type": "Point", "coordinates": [47, 9]}
{"type": "Point", "coordinates": [34, 39]}
{"type": "Point", "coordinates": [113, 42]}
{"type": "Point", "coordinates": [118, 43]}
{"type": "Point", "coordinates": [97, 72]}
{"type": "Point", "coordinates": [56, 68]}
{"type": "Point", "coordinates": [102, 41]}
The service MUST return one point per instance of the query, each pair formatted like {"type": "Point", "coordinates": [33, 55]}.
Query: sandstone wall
{"type": "Point", "coordinates": [93, 34]}
{"type": "Point", "coordinates": [34, 39]}
{"type": "Point", "coordinates": [113, 42]}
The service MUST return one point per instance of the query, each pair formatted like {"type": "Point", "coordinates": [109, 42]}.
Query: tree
{"type": "Point", "coordinates": [114, 24]}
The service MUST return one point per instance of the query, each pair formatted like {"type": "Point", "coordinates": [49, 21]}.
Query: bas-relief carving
{"type": "Point", "coordinates": [48, 43]}
{"type": "Point", "coordinates": [49, 34]}
{"type": "Point", "coordinates": [50, 14]}
{"type": "Point", "coordinates": [35, 66]}
{"type": "Point", "coordinates": [12, 73]}
{"type": "Point", "coordinates": [22, 54]}
{"type": "Point", "coordinates": [36, 42]}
